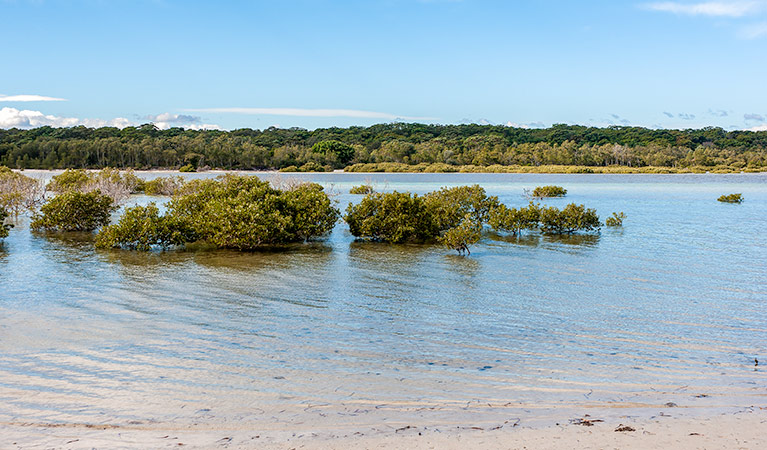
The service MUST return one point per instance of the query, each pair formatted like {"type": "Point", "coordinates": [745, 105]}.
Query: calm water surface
{"type": "Point", "coordinates": [672, 306]}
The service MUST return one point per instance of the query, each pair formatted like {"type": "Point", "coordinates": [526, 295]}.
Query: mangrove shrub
{"type": "Point", "coordinates": [142, 228]}
{"type": "Point", "coordinates": [19, 192]}
{"type": "Point", "coordinates": [4, 227]}
{"type": "Point", "coordinates": [570, 219]}
{"type": "Point", "coordinates": [246, 213]}
{"type": "Point", "coordinates": [449, 206]}
{"type": "Point", "coordinates": [392, 217]}
{"type": "Point", "coordinates": [616, 220]}
{"type": "Point", "coordinates": [110, 182]}
{"type": "Point", "coordinates": [362, 189]}
{"type": "Point", "coordinates": [74, 211]}
{"type": "Point", "coordinates": [459, 238]}
{"type": "Point", "coordinates": [731, 198]}
{"type": "Point", "coordinates": [514, 220]}
{"type": "Point", "coordinates": [549, 191]}
{"type": "Point", "coordinates": [163, 185]}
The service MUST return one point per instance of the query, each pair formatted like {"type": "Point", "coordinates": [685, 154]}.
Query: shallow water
{"type": "Point", "coordinates": [671, 306]}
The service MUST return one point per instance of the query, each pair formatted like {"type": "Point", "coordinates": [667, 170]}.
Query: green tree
{"type": "Point", "coordinates": [339, 151]}
{"type": "Point", "coordinates": [74, 211]}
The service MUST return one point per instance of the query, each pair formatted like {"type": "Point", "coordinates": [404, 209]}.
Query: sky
{"type": "Point", "coordinates": [321, 63]}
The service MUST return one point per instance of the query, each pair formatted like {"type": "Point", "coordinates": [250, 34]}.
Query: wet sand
{"type": "Point", "coordinates": [744, 428]}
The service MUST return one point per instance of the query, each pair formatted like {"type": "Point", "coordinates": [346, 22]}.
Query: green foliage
{"type": "Point", "coordinates": [246, 213]}
{"type": "Point", "coordinates": [341, 152]}
{"type": "Point", "coordinates": [549, 191]}
{"type": "Point", "coordinates": [74, 211]}
{"type": "Point", "coordinates": [568, 220]}
{"type": "Point", "coordinates": [142, 228]}
{"type": "Point", "coordinates": [362, 189]}
{"type": "Point", "coordinates": [395, 217]}
{"type": "Point", "coordinates": [312, 166]}
{"type": "Point", "coordinates": [514, 220]}
{"type": "Point", "coordinates": [164, 185]}
{"type": "Point", "coordinates": [459, 238]}
{"type": "Point", "coordinates": [449, 206]}
{"type": "Point", "coordinates": [187, 168]}
{"type": "Point", "coordinates": [70, 180]}
{"type": "Point", "coordinates": [4, 227]}
{"type": "Point", "coordinates": [731, 198]}
{"type": "Point", "coordinates": [290, 169]}
{"type": "Point", "coordinates": [616, 220]}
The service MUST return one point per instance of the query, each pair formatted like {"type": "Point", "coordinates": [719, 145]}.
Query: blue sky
{"type": "Point", "coordinates": [320, 63]}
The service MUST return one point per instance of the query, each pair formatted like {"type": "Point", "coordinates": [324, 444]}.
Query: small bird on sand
{"type": "Point", "coordinates": [756, 362]}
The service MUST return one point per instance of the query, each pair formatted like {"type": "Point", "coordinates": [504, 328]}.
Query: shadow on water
{"type": "Point", "coordinates": [66, 247]}
{"type": "Point", "coordinates": [383, 255]}
{"type": "Point", "coordinates": [287, 256]}
{"type": "Point", "coordinates": [525, 240]}
{"type": "Point", "coordinates": [151, 259]}
{"type": "Point", "coordinates": [572, 240]}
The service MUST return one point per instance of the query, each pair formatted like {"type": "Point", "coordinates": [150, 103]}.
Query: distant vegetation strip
{"type": "Point", "coordinates": [396, 147]}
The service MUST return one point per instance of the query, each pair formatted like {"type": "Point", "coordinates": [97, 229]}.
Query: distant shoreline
{"type": "Point", "coordinates": [396, 168]}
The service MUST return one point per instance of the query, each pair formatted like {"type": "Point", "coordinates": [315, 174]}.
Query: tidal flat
{"type": "Point", "coordinates": [661, 319]}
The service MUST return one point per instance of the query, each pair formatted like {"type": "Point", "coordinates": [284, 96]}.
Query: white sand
{"type": "Point", "coordinates": [743, 429]}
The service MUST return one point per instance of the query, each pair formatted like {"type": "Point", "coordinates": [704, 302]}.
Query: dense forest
{"type": "Point", "coordinates": [146, 147]}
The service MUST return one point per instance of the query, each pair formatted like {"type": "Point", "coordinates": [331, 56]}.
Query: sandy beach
{"type": "Point", "coordinates": [744, 428]}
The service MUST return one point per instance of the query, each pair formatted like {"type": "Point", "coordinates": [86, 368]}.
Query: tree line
{"type": "Point", "coordinates": [408, 144]}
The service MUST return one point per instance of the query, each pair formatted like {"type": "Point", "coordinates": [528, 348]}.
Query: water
{"type": "Point", "coordinates": [670, 308]}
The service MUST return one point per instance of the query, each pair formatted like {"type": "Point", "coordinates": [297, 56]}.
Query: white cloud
{"type": "Point", "coordinates": [713, 9]}
{"type": "Point", "coordinates": [29, 98]}
{"type": "Point", "coordinates": [762, 127]}
{"type": "Point", "coordinates": [166, 120]}
{"type": "Point", "coordinates": [15, 118]}
{"type": "Point", "coordinates": [302, 112]}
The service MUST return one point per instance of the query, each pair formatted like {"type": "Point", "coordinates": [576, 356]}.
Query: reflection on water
{"type": "Point", "coordinates": [671, 306]}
